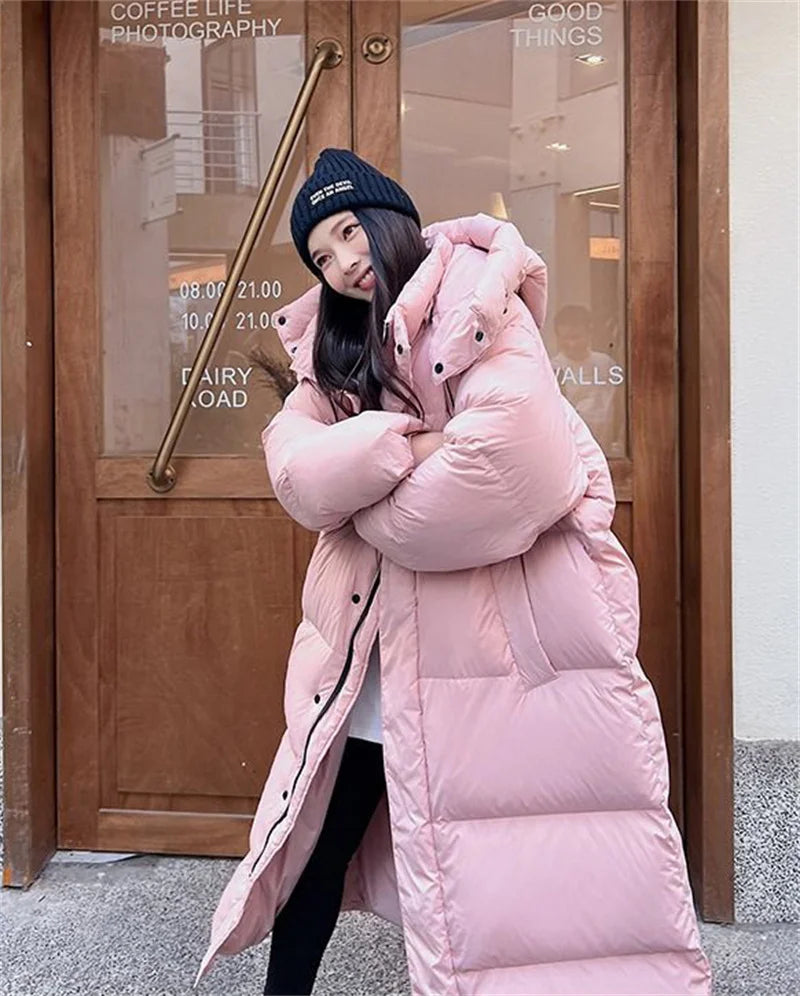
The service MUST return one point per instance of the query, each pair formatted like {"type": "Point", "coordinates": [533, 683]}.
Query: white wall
{"type": "Point", "coordinates": [764, 181]}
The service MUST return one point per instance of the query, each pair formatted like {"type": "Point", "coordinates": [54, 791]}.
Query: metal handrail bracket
{"type": "Point", "coordinates": [327, 55]}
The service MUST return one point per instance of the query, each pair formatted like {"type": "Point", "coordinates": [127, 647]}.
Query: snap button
{"type": "Point", "coordinates": [479, 335]}
{"type": "Point", "coordinates": [356, 598]}
{"type": "Point", "coordinates": [285, 794]}
{"type": "Point", "coordinates": [438, 368]}
{"type": "Point", "coordinates": [281, 319]}
{"type": "Point", "coordinates": [317, 697]}
{"type": "Point", "coordinates": [399, 347]}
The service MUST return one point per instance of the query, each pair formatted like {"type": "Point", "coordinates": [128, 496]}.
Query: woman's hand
{"type": "Point", "coordinates": [423, 444]}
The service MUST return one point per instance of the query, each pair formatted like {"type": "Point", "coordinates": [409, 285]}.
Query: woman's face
{"type": "Point", "coordinates": [338, 246]}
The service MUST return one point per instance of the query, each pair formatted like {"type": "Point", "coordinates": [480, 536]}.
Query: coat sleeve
{"type": "Point", "coordinates": [322, 471]}
{"type": "Point", "coordinates": [508, 469]}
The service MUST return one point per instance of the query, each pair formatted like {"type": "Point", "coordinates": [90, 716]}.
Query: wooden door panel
{"type": "Point", "coordinates": [203, 607]}
{"type": "Point", "coordinates": [197, 606]}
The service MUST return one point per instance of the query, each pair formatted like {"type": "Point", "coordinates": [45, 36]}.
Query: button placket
{"type": "Point", "coordinates": [403, 362]}
{"type": "Point", "coordinates": [401, 346]}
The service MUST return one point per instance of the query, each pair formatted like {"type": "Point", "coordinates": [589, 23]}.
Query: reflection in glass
{"type": "Point", "coordinates": [189, 126]}
{"type": "Point", "coordinates": [516, 110]}
{"type": "Point", "coordinates": [589, 377]}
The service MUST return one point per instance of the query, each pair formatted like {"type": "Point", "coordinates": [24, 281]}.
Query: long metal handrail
{"type": "Point", "coordinates": [327, 55]}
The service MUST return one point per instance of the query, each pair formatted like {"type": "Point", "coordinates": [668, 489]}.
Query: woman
{"type": "Point", "coordinates": [505, 799]}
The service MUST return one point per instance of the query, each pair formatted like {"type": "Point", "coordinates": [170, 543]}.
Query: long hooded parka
{"type": "Point", "coordinates": [524, 843]}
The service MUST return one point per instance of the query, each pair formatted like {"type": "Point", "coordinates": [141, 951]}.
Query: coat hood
{"type": "Point", "coordinates": [437, 287]}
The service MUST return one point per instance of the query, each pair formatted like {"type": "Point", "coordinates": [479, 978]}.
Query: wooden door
{"type": "Point", "coordinates": [176, 612]}
{"type": "Point", "coordinates": [562, 118]}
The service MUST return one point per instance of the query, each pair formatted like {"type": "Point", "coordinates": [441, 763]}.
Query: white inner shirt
{"type": "Point", "coordinates": [365, 722]}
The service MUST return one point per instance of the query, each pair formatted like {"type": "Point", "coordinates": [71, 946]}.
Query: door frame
{"type": "Point", "coordinates": [28, 443]}
{"type": "Point", "coordinates": [704, 397]}
{"type": "Point", "coordinates": [27, 283]}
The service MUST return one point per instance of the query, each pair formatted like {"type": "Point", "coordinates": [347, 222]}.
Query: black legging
{"type": "Point", "coordinates": [304, 925]}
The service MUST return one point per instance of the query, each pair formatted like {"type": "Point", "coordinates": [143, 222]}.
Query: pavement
{"type": "Point", "coordinates": [117, 925]}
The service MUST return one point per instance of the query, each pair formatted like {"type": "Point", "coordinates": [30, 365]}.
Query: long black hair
{"type": "Point", "coordinates": [348, 350]}
{"type": "Point", "coordinates": [349, 354]}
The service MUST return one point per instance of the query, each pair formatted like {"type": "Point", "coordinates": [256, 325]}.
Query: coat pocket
{"type": "Point", "coordinates": [511, 590]}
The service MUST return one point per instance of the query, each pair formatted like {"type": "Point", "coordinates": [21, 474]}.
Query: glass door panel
{"type": "Point", "coordinates": [517, 110]}
{"type": "Point", "coordinates": [192, 111]}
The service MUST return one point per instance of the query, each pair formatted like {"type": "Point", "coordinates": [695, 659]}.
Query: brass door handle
{"type": "Point", "coordinates": [327, 55]}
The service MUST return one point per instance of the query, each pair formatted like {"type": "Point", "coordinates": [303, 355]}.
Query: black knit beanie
{"type": "Point", "coordinates": [342, 180]}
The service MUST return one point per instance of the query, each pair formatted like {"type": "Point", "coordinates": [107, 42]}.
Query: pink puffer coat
{"type": "Point", "coordinates": [524, 845]}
